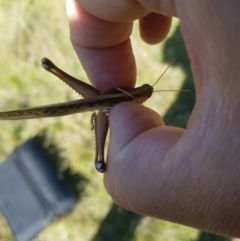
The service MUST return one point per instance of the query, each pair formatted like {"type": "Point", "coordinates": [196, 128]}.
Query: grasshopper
{"type": "Point", "coordinates": [92, 101]}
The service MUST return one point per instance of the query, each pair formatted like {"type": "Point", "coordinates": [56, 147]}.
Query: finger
{"type": "Point", "coordinates": [139, 166]}
{"type": "Point", "coordinates": [103, 48]}
{"type": "Point", "coordinates": [91, 32]}
{"type": "Point", "coordinates": [164, 7]}
{"type": "Point", "coordinates": [115, 11]}
{"type": "Point", "coordinates": [148, 119]}
{"type": "Point", "coordinates": [154, 27]}
{"type": "Point", "coordinates": [127, 11]}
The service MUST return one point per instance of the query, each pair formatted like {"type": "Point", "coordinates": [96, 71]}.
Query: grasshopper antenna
{"type": "Point", "coordinates": [162, 76]}
{"type": "Point", "coordinates": [171, 90]}
{"type": "Point", "coordinates": [164, 72]}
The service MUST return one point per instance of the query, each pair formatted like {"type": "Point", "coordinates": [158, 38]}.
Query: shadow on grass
{"type": "Point", "coordinates": [74, 180]}
{"type": "Point", "coordinates": [211, 237]}
{"type": "Point", "coordinates": [179, 113]}
{"type": "Point", "coordinates": [118, 225]}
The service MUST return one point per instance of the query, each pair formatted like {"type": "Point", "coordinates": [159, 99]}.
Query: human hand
{"type": "Point", "coordinates": [186, 176]}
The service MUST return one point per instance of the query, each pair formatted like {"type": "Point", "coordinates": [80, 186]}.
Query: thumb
{"type": "Point", "coordinates": [139, 163]}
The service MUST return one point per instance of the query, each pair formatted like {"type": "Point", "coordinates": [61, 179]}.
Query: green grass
{"type": "Point", "coordinates": [33, 29]}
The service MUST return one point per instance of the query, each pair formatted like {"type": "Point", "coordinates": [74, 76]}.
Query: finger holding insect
{"type": "Point", "coordinates": [140, 119]}
{"type": "Point", "coordinates": [139, 165]}
{"type": "Point", "coordinates": [104, 47]}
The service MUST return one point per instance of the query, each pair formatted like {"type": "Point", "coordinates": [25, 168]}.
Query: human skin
{"type": "Point", "coordinates": [191, 176]}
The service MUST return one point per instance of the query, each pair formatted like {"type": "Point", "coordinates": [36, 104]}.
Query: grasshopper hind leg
{"type": "Point", "coordinates": [99, 123]}
{"type": "Point", "coordinates": [100, 166]}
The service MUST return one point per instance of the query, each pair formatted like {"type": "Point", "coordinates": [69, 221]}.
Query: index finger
{"type": "Point", "coordinates": [103, 46]}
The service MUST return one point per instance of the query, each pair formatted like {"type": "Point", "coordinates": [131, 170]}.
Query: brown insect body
{"type": "Point", "coordinates": [93, 102]}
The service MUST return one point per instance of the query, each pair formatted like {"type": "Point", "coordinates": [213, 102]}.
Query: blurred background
{"type": "Point", "coordinates": [31, 29]}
